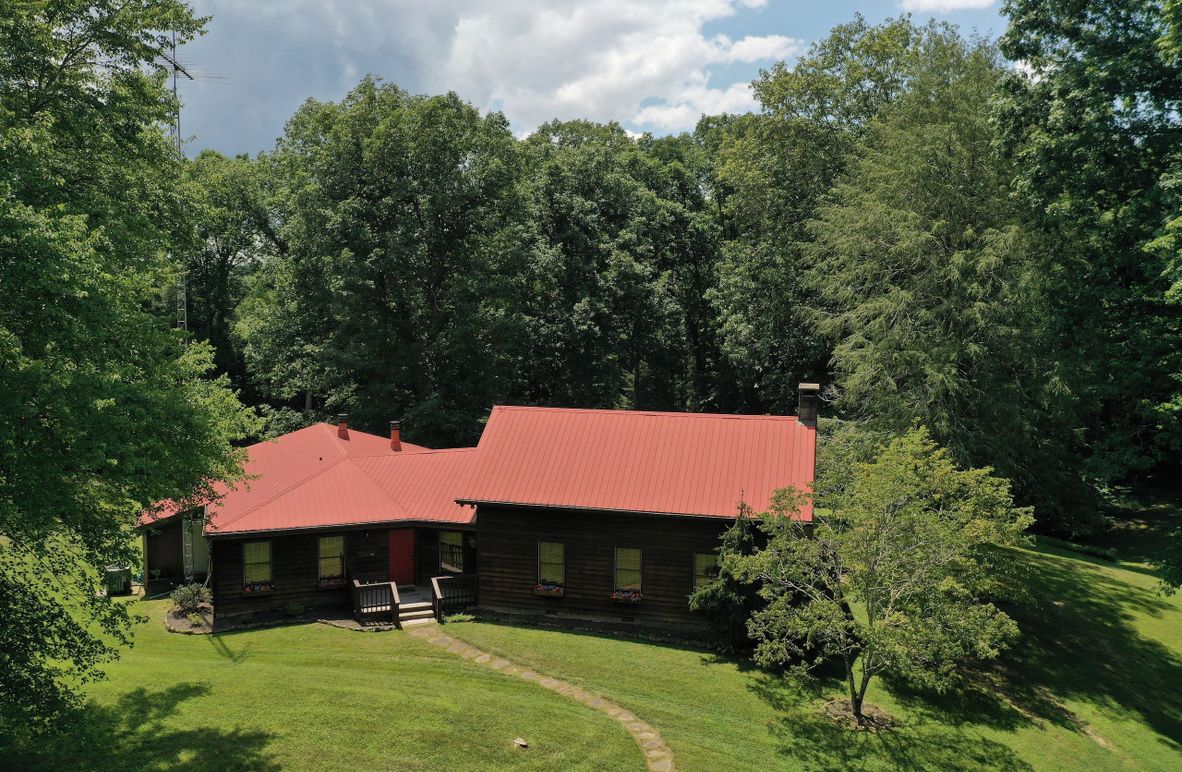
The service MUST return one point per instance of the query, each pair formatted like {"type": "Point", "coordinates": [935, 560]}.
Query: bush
{"type": "Point", "coordinates": [196, 619]}
{"type": "Point", "coordinates": [295, 609]}
{"type": "Point", "coordinates": [190, 597]}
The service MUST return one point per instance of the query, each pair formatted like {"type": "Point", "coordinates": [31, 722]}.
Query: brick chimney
{"type": "Point", "coordinates": [395, 436]}
{"type": "Point", "coordinates": [808, 395]}
{"type": "Point", "coordinates": [343, 425]}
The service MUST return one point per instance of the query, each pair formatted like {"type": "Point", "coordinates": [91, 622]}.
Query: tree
{"type": "Point", "coordinates": [102, 408]}
{"type": "Point", "coordinates": [398, 294]}
{"type": "Point", "coordinates": [727, 598]}
{"type": "Point", "coordinates": [1091, 119]}
{"type": "Point", "coordinates": [894, 575]}
{"type": "Point", "coordinates": [930, 287]}
{"type": "Point", "coordinates": [771, 172]}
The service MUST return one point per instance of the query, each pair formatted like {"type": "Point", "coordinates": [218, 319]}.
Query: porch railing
{"type": "Point", "coordinates": [375, 599]}
{"type": "Point", "coordinates": [449, 593]}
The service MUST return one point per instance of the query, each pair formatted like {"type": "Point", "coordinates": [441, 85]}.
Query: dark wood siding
{"type": "Point", "coordinates": [163, 551]}
{"type": "Point", "coordinates": [508, 544]}
{"type": "Point", "coordinates": [295, 568]}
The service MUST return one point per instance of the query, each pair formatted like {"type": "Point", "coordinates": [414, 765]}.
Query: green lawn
{"type": "Point", "coordinates": [317, 697]}
{"type": "Point", "coordinates": [1094, 684]}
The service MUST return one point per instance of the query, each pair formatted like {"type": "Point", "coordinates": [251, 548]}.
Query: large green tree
{"type": "Point", "coordinates": [896, 574]}
{"type": "Point", "coordinates": [102, 408]}
{"type": "Point", "coordinates": [772, 171]}
{"type": "Point", "coordinates": [1091, 117]}
{"type": "Point", "coordinates": [931, 289]}
{"type": "Point", "coordinates": [394, 297]}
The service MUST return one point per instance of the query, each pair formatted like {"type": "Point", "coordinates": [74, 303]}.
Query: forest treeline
{"type": "Point", "coordinates": [972, 235]}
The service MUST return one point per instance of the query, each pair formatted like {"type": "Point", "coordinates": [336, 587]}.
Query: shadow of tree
{"type": "Point", "coordinates": [805, 734]}
{"type": "Point", "coordinates": [1078, 643]}
{"type": "Point", "coordinates": [220, 643]}
{"type": "Point", "coordinates": [131, 734]}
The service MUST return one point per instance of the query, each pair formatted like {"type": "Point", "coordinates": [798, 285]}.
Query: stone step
{"type": "Point", "coordinates": [418, 621]}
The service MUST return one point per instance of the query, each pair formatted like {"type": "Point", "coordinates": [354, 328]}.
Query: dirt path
{"type": "Point", "coordinates": [656, 752]}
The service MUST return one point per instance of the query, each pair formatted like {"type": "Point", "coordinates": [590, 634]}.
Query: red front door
{"type": "Point", "coordinates": [402, 556]}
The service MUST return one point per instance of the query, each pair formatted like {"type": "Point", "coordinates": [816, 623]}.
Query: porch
{"type": "Point", "coordinates": [383, 602]}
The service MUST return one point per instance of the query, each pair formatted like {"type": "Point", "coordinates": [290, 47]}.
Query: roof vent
{"type": "Point", "coordinates": [808, 397]}
{"type": "Point", "coordinates": [395, 436]}
{"type": "Point", "coordinates": [343, 425]}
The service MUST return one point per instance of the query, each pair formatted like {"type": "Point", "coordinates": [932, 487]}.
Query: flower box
{"type": "Point", "coordinates": [330, 582]}
{"type": "Point", "coordinates": [627, 596]}
{"type": "Point", "coordinates": [258, 587]}
{"type": "Point", "coordinates": [549, 590]}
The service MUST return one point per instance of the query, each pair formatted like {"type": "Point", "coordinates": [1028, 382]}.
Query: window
{"type": "Point", "coordinates": [627, 569]}
{"type": "Point", "coordinates": [551, 564]}
{"type": "Point", "coordinates": [705, 568]}
{"type": "Point", "coordinates": [256, 566]}
{"type": "Point", "coordinates": [451, 552]}
{"type": "Point", "coordinates": [332, 562]}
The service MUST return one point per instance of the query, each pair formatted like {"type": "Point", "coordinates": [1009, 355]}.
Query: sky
{"type": "Point", "coordinates": [652, 65]}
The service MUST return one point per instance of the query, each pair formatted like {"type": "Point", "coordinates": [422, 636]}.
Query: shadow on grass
{"type": "Point", "coordinates": [1078, 643]}
{"type": "Point", "coordinates": [221, 645]}
{"type": "Point", "coordinates": [808, 736]}
{"type": "Point", "coordinates": [131, 735]}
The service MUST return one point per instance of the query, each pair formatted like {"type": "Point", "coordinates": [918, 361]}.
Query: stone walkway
{"type": "Point", "coordinates": [658, 755]}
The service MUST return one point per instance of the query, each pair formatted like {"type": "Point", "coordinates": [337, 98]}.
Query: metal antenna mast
{"type": "Point", "coordinates": [175, 67]}
{"type": "Point", "coordinates": [182, 299]}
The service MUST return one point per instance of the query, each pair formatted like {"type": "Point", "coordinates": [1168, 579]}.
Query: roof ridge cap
{"type": "Point", "coordinates": [671, 413]}
{"type": "Point", "coordinates": [405, 509]}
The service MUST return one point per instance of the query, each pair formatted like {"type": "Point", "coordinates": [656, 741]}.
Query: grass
{"type": "Point", "coordinates": [317, 697]}
{"type": "Point", "coordinates": [1094, 684]}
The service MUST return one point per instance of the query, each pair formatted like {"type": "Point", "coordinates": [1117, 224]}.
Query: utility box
{"type": "Point", "coordinates": [118, 580]}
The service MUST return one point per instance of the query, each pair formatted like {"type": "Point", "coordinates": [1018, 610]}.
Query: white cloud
{"type": "Point", "coordinates": [643, 63]}
{"type": "Point", "coordinates": [649, 64]}
{"type": "Point", "coordinates": [945, 6]}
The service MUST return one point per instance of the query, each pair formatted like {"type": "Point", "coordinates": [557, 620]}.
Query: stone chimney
{"type": "Point", "coordinates": [808, 395]}
{"type": "Point", "coordinates": [395, 436]}
{"type": "Point", "coordinates": [343, 425]}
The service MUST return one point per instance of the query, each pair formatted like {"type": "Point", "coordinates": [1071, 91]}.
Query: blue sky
{"type": "Point", "coordinates": [652, 65]}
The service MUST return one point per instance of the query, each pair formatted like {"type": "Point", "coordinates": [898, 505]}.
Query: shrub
{"type": "Point", "coordinates": [190, 597]}
{"type": "Point", "coordinates": [295, 609]}
{"type": "Point", "coordinates": [196, 619]}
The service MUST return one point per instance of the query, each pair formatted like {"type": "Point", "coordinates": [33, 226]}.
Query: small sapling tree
{"type": "Point", "coordinates": [894, 574]}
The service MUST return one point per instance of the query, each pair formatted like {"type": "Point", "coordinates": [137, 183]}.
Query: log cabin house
{"type": "Point", "coordinates": [606, 517]}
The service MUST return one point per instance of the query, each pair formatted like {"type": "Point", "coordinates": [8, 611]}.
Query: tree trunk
{"type": "Point", "coordinates": [855, 695]}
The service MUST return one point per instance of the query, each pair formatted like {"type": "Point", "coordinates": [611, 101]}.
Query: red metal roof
{"type": "Point", "coordinates": [670, 463]}
{"type": "Point", "coordinates": [312, 478]}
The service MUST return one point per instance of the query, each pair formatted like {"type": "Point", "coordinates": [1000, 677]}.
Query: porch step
{"type": "Point", "coordinates": [419, 606]}
{"type": "Point", "coordinates": [418, 621]}
{"type": "Point", "coordinates": [406, 616]}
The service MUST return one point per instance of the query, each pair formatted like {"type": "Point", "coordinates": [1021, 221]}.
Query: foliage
{"type": "Point", "coordinates": [894, 574]}
{"type": "Point", "coordinates": [772, 171]}
{"type": "Point", "coordinates": [191, 597]}
{"type": "Point", "coordinates": [295, 609]}
{"type": "Point", "coordinates": [728, 599]}
{"type": "Point", "coordinates": [930, 289]}
{"type": "Point", "coordinates": [102, 410]}
{"type": "Point", "coordinates": [1091, 119]}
